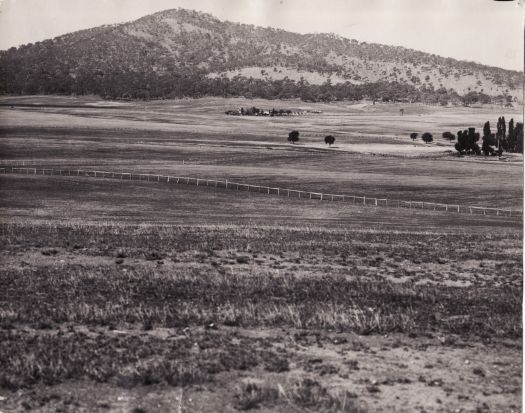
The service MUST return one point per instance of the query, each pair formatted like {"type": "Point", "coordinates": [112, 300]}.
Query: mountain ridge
{"type": "Point", "coordinates": [180, 52]}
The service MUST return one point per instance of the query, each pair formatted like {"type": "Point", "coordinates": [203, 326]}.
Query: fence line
{"type": "Point", "coordinates": [269, 190]}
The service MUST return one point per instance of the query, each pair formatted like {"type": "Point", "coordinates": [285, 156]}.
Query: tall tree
{"type": "Point", "coordinates": [486, 128]}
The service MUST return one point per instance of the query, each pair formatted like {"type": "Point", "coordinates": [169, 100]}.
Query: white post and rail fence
{"type": "Point", "coordinates": [269, 190]}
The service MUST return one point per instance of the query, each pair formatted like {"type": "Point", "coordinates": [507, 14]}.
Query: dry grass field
{"type": "Point", "coordinates": [145, 297]}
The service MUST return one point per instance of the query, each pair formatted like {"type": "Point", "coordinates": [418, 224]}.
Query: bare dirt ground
{"type": "Point", "coordinates": [142, 297]}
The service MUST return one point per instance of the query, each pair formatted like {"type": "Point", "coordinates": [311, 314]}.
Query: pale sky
{"type": "Point", "coordinates": [484, 31]}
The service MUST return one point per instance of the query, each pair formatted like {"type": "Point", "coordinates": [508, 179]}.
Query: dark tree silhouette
{"type": "Point", "coordinates": [413, 136]}
{"type": "Point", "coordinates": [329, 140]}
{"type": "Point", "coordinates": [467, 142]}
{"type": "Point", "coordinates": [518, 137]}
{"type": "Point", "coordinates": [448, 135]}
{"type": "Point", "coordinates": [293, 136]}
{"type": "Point", "coordinates": [515, 139]}
{"type": "Point", "coordinates": [427, 137]}
{"type": "Point", "coordinates": [488, 139]}
{"type": "Point", "coordinates": [486, 128]}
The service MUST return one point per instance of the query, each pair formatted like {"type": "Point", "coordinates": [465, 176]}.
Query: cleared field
{"type": "Point", "coordinates": [159, 137]}
{"type": "Point", "coordinates": [129, 296]}
{"type": "Point", "coordinates": [68, 199]}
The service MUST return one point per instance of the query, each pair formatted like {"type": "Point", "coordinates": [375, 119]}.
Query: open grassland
{"type": "Point", "coordinates": [81, 199]}
{"type": "Point", "coordinates": [232, 317]}
{"type": "Point", "coordinates": [197, 139]}
{"type": "Point", "coordinates": [129, 296]}
{"type": "Point", "coordinates": [221, 302]}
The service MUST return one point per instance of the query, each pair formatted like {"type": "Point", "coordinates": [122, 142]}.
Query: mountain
{"type": "Point", "coordinates": [176, 53]}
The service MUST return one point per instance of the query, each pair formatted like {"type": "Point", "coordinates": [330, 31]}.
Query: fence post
{"type": "Point", "coordinates": [364, 200]}
{"type": "Point", "coordinates": [226, 184]}
{"type": "Point", "coordinates": [376, 201]}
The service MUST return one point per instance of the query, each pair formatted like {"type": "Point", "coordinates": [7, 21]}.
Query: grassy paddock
{"type": "Point", "coordinates": [137, 296]}
{"type": "Point", "coordinates": [158, 136]}
{"type": "Point", "coordinates": [101, 293]}
{"type": "Point", "coordinates": [70, 199]}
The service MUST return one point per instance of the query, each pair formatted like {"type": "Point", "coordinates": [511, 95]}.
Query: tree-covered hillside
{"type": "Point", "coordinates": [178, 53]}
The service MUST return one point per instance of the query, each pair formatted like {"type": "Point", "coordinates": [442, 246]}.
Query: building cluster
{"type": "Point", "coordinates": [253, 111]}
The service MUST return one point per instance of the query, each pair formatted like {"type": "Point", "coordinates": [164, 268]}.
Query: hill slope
{"type": "Point", "coordinates": [180, 52]}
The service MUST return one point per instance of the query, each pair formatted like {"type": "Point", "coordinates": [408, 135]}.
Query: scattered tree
{"type": "Point", "coordinates": [427, 137]}
{"type": "Point", "coordinates": [293, 136]}
{"type": "Point", "coordinates": [449, 136]}
{"type": "Point", "coordinates": [329, 140]}
{"type": "Point", "coordinates": [413, 136]}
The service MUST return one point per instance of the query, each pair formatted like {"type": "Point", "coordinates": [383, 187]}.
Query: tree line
{"type": "Point", "coordinates": [505, 139]}
{"type": "Point", "coordinates": [188, 82]}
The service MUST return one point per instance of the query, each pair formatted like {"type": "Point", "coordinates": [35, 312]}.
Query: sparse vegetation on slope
{"type": "Point", "coordinates": [179, 53]}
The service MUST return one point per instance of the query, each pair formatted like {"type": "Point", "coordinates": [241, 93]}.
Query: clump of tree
{"type": "Point", "coordinates": [467, 142]}
{"type": "Point", "coordinates": [293, 136]}
{"type": "Point", "coordinates": [427, 137]}
{"type": "Point", "coordinates": [475, 97]}
{"type": "Point", "coordinates": [492, 143]}
{"type": "Point", "coordinates": [413, 136]}
{"type": "Point", "coordinates": [329, 140]}
{"type": "Point", "coordinates": [449, 136]}
{"type": "Point", "coordinates": [495, 144]}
